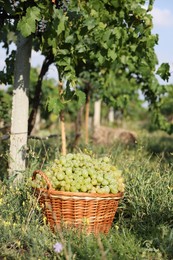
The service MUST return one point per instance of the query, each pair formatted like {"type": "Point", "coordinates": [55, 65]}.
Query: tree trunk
{"type": "Point", "coordinates": [78, 127]}
{"type": "Point", "coordinates": [20, 108]}
{"type": "Point", "coordinates": [62, 121]}
{"type": "Point", "coordinates": [111, 115]}
{"type": "Point", "coordinates": [38, 90]}
{"type": "Point", "coordinates": [87, 107]}
{"type": "Point", "coordinates": [63, 134]}
{"type": "Point", "coordinates": [36, 128]}
{"type": "Point", "coordinates": [87, 91]}
{"type": "Point", "coordinates": [97, 112]}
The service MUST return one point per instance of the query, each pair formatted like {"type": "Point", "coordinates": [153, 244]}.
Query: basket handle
{"type": "Point", "coordinates": [49, 185]}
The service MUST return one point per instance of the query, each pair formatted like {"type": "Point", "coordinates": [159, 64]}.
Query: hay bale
{"type": "Point", "coordinates": [108, 135]}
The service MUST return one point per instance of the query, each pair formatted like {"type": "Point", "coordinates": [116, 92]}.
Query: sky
{"type": "Point", "coordinates": [163, 25]}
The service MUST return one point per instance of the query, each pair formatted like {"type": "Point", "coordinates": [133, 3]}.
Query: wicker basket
{"type": "Point", "coordinates": [91, 212]}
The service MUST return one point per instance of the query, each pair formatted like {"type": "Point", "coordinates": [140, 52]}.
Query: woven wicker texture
{"type": "Point", "coordinates": [91, 212]}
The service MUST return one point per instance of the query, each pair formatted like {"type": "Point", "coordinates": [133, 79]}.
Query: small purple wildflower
{"type": "Point", "coordinates": [58, 247]}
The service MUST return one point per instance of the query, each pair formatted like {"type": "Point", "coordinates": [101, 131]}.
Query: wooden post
{"type": "Point", "coordinates": [62, 121]}
{"type": "Point", "coordinates": [97, 112]}
{"type": "Point", "coordinates": [63, 134]}
{"type": "Point", "coordinates": [20, 108]}
{"type": "Point", "coordinates": [87, 108]}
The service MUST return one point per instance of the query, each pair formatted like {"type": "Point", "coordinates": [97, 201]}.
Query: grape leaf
{"type": "Point", "coordinates": [112, 54]}
{"type": "Point", "coordinates": [61, 25]}
{"type": "Point", "coordinates": [33, 13]}
{"type": "Point", "coordinates": [26, 28]}
{"type": "Point", "coordinates": [81, 97]}
{"type": "Point", "coordinates": [27, 24]}
{"type": "Point", "coordinates": [55, 105]}
{"type": "Point", "coordinates": [164, 71]}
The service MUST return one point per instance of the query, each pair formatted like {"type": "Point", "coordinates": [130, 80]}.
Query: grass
{"type": "Point", "coordinates": [143, 224]}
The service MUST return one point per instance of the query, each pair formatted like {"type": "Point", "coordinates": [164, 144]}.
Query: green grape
{"type": "Point", "coordinates": [107, 177]}
{"type": "Point", "coordinates": [61, 176]}
{"type": "Point", "coordinates": [89, 186]}
{"type": "Point", "coordinates": [91, 172]}
{"type": "Point", "coordinates": [121, 187]}
{"type": "Point", "coordinates": [106, 189]}
{"type": "Point", "coordinates": [84, 173]}
{"type": "Point", "coordinates": [93, 190]}
{"type": "Point", "coordinates": [68, 171]}
{"type": "Point", "coordinates": [56, 183]}
{"type": "Point", "coordinates": [113, 189]}
{"type": "Point", "coordinates": [77, 171]}
{"type": "Point", "coordinates": [73, 183]}
{"type": "Point", "coordinates": [73, 189]}
{"type": "Point", "coordinates": [75, 164]}
{"type": "Point", "coordinates": [94, 182]}
{"type": "Point", "coordinates": [100, 190]}
{"type": "Point", "coordinates": [78, 185]}
{"type": "Point", "coordinates": [111, 181]}
{"type": "Point", "coordinates": [54, 169]}
{"type": "Point", "coordinates": [70, 156]}
{"type": "Point", "coordinates": [83, 188]}
{"type": "Point", "coordinates": [62, 160]}
{"type": "Point", "coordinates": [79, 179]}
{"type": "Point", "coordinates": [62, 183]}
{"type": "Point", "coordinates": [87, 180]}
{"type": "Point", "coordinates": [48, 174]}
{"type": "Point", "coordinates": [100, 178]}
{"type": "Point", "coordinates": [67, 187]}
{"type": "Point", "coordinates": [54, 179]}
{"type": "Point", "coordinates": [105, 182]}
{"type": "Point", "coordinates": [67, 179]}
{"type": "Point", "coordinates": [117, 173]}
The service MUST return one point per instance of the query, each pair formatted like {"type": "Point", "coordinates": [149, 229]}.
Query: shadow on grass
{"type": "Point", "coordinates": [161, 146]}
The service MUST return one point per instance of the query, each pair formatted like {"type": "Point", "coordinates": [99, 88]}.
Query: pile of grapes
{"type": "Point", "coordinates": [83, 173]}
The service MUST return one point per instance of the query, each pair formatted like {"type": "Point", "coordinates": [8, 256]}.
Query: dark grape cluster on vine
{"type": "Point", "coordinates": [41, 26]}
{"type": "Point", "coordinates": [61, 4]}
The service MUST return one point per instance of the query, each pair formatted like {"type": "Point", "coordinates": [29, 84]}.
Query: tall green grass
{"type": "Point", "coordinates": [143, 224]}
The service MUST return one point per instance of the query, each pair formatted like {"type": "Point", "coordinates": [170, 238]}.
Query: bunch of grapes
{"type": "Point", "coordinates": [41, 27]}
{"type": "Point", "coordinates": [61, 4]}
{"type": "Point", "coordinates": [83, 173]}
